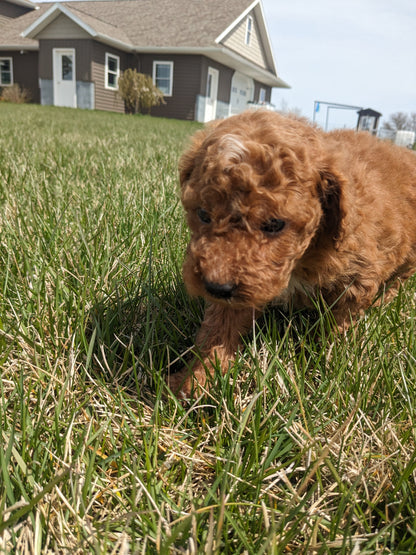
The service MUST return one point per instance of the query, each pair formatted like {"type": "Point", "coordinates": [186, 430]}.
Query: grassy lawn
{"type": "Point", "coordinates": [306, 447]}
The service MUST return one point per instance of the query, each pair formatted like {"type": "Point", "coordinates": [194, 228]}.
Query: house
{"type": "Point", "coordinates": [211, 58]}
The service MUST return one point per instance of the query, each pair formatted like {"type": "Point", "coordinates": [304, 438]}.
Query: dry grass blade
{"type": "Point", "coordinates": [304, 447]}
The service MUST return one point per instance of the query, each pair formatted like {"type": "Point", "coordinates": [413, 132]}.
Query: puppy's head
{"type": "Point", "coordinates": [255, 198]}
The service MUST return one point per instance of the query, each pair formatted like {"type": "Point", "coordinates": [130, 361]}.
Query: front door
{"type": "Point", "coordinates": [211, 94]}
{"type": "Point", "coordinates": [64, 81]}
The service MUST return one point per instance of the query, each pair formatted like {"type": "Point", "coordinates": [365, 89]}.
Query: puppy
{"type": "Point", "coordinates": [280, 211]}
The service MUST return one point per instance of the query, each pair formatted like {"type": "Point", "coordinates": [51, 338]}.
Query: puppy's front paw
{"type": "Point", "coordinates": [187, 384]}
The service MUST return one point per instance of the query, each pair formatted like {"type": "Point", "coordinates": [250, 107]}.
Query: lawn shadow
{"type": "Point", "coordinates": [134, 340]}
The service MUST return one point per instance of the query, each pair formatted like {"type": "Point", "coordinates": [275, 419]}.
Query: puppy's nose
{"type": "Point", "coordinates": [220, 290]}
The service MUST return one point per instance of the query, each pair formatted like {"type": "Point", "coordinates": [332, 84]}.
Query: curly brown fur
{"type": "Point", "coordinates": [279, 211]}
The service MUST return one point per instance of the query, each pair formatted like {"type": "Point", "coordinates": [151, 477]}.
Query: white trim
{"type": "Point", "coordinates": [217, 53]}
{"type": "Point", "coordinates": [56, 76]}
{"type": "Point", "coordinates": [249, 29]}
{"type": "Point", "coordinates": [211, 95]}
{"type": "Point", "coordinates": [159, 50]}
{"type": "Point", "coordinates": [224, 56]}
{"type": "Point", "coordinates": [24, 3]}
{"type": "Point", "coordinates": [49, 16]}
{"type": "Point", "coordinates": [17, 48]}
{"type": "Point", "coordinates": [54, 11]}
{"type": "Point", "coordinates": [107, 71]}
{"type": "Point", "coordinates": [265, 31]}
{"type": "Point", "coordinates": [11, 71]}
{"type": "Point", "coordinates": [251, 69]}
{"type": "Point", "coordinates": [237, 21]}
{"type": "Point", "coordinates": [170, 64]}
{"type": "Point", "coordinates": [257, 8]}
{"type": "Point", "coordinates": [113, 42]}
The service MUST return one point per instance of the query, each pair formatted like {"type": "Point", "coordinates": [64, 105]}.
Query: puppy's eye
{"type": "Point", "coordinates": [204, 216]}
{"type": "Point", "coordinates": [272, 226]}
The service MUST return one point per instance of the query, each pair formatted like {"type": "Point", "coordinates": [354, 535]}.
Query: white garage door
{"type": "Point", "coordinates": [242, 92]}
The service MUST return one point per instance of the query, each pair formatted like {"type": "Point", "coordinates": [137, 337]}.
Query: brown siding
{"type": "Point", "coordinates": [189, 75]}
{"type": "Point", "coordinates": [83, 48]}
{"type": "Point", "coordinates": [25, 71]}
{"type": "Point", "coordinates": [106, 99]}
{"type": "Point", "coordinates": [224, 80]}
{"type": "Point", "coordinates": [90, 66]}
{"type": "Point", "coordinates": [189, 81]}
{"type": "Point", "coordinates": [257, 87]}
{"type": "Point", "coordinates": [186, 84]}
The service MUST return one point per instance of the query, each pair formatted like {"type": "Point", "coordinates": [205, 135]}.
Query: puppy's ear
{"type": "Point", "coordinates": [187, 162]}
{"type": "Point", "coordinates": [331, 190]}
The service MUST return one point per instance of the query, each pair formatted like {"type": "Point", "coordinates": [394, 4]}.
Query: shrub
{"type": "Point", "coordinates": [15, 94]}
{"type": "Point", "coordinates": [138, 92]}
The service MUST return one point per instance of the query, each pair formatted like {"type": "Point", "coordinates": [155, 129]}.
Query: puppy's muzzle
{"type": "Point", "coordinates": [222, 291]}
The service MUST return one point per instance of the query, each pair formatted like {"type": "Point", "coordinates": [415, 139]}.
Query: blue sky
{"type": "Point", "coordinates": [358, 52]}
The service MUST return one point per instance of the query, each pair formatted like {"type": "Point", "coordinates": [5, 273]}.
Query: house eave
{"type": "Point", "coordinates": [224, 56]}
{"type": "Point", "coordinates": [218, 52]}
{"type": "Point", "coordinates": [257, 8]}
{"type": "Point", "coordinates": [22, 47]}
{"type": "Point", "coordinates": [24, 3]}
{"type": "Point", "coordinates": [125, 47]}
{"type": "Point", "coordinates": [239, 63]}
{"type": "Point", "coordinates": [49, 16]}
{"type": "Point", "coordinates": [236, 22]}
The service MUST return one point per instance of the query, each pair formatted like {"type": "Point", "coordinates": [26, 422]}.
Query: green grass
{"type": "Point", "coordinates": [305, 447]}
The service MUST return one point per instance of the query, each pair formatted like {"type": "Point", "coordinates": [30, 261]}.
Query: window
{"type": "Point", "coordinates": [262, 96]}
{"type": "Point", "coordinates": [249, 30]}
{"type": "Point", "coordinates": [6, 72]}
{"type": "Point", "coordinates": [112, 71]}
{"type": "Point", "coordinates": [163, 77]}
{"type": "Point", "coordinates": [67, 67]}
{"type": "Point", "coordinates": [209, 85]}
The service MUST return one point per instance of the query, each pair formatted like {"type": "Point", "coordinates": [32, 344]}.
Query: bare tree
{"type": "Point", "coordinates": [412, 121]}
{"type": "Point", "coordinates": [400, 121]}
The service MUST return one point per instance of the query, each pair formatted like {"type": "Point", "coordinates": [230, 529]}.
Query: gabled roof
{"type": "Point", "coordinates": [255, 8]}
{"type": "Point", "coordinates": [153, 22]}
{"type": "Point", "coordinates": [163, 26]}
{"type": "Point", "coordinates": [95, 24]}
{"type": "Point", "coordinates": [10, 30]}
{"type": "Point", "coordinates": [369, 112]}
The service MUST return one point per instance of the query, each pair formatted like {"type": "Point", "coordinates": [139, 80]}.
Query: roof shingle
{"type": "Point", "coordinates": [142, 23]}
{"type": "Point", "coordinates": [164, 23]}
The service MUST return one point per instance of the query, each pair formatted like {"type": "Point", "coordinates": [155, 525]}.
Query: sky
{"type": "Point", "coordinates": [355, 52]}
